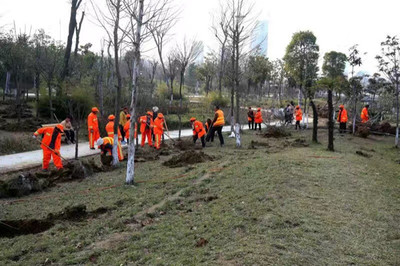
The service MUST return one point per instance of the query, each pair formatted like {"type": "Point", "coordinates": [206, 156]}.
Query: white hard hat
{"type": "Point", "coordinates": [155, 109]}
{"type": "Point", "coordinates": [99, 142]}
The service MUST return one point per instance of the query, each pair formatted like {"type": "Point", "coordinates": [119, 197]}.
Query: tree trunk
{"type": "Point", "coordinates": [18, 99]}
{"type": "Point", "coordinates": [330, 123]}
{"type": "Point", "coordinates": [354, 110]}
{"type": "Point", "coordinates": [180, 102]}
{"type": "Point", "coordinates": [50, 101]}
{"type": "Point", "coordinates": [221, 68]}
{"type": "Point", "coordinates": [315, 122]}
{"type": "Point", "coordinates": [119, 82]}
{"type": "Point", "coordinates": [101, 94]}
{"type": "Point", "coordinates": [76, 142]}
{"type": "Point", "coordinates": [130, 171]}
{"type": "Point", "coordinates": [37, 90]}
{"type": "Point", "coordinates": [71, 30]}
{"type": "Point", "coordinates": [78, 31]}
{"type": "Point", "coordinates": [396, 142]}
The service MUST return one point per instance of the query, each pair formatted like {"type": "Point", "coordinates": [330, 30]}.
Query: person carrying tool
{"type": "Point", "coordinates": [122, 121]}
{"type": "Point", "coordinates": [51, 144]}
{"type": "Point", "coordinates": [299, 116]}
{"type": "Point", "coordinates": [106, 145]}
{"type": "Point", "coordinates": [217, 125]}
{"type": "Point", "coordinates": [198, 131]}
{"type": "Point", "coordinates": [158, 130]}
{"type": "Point", "coordinates": [258, 118]}
{"type": "Point", "coordinates": [93, 127]}
{"type": "Point", "coordinates": [146, 125]}
{"type": "Point", "coordinates": [364, 114]}
{"type": "Point", "coordinates": [250, 118]}
{"type": "Point", "coordinates": [110, 133]}
{"type": "Point", "coordinates": [342, 119]}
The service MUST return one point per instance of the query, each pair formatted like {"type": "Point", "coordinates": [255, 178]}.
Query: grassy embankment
{"type": "Point", "coordinates": [276, 204]}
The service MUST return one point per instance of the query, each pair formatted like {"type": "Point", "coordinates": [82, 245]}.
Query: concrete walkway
{"type": "Point", "coordinates": [19, 161]}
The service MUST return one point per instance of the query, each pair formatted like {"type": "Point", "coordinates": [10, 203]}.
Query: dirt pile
{"type": "Point", "coordinates": [188, 158]}
{"type": "Point", "coordinates": [276, 132]}
{"type": "Point", "coordinates": [363, 154]}
{"type": "Point", "coordinates": [186, 145]}
{"type": "Point", "coordinates": [322, 111]}
{"type": "Point", "coordinates": [363, 130]}
{"type": "Point", "coordinates": [146, 154]}
{"type": "Point", "coordinates": [30, 182]}
{"type": "Point", "coordinates": [384, 127]}
{"type": "Point", "coordinates": [254, 144]}
{"type": "Point", "coordinates": [296, 143]}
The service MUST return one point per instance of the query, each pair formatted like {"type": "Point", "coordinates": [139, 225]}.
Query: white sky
{"type": "Point", "coordinates": [337, 24]}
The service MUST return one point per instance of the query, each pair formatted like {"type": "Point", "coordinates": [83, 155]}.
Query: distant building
{"type": "Point", "coordinates": [259, 43]}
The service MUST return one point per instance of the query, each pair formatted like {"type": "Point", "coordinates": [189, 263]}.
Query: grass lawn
{"type": "Point", "coordinates": [270, 202]}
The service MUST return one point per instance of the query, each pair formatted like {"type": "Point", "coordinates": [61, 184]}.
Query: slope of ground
{"type": "Point", "coordinates": [274, 201]}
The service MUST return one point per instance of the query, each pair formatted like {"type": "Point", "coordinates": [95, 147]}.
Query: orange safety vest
{"type": "Point", "coordinates": [258, 118]}
{"type": "Point", "coordinates": [93, 123]}
{"type": "Point", "coordinates": [110, 130]}
{"type": "Point", "coordinates": [158, 126]}
{"type": "Point", "coordinates": [364, 115]}
{"type": "Point", "coordinates": [47, 133]}
{"type": "Point", "coordinates": [143, 123]}
{"type": "Point", "coordinates": [299, 115]}
{"type": "Point", "coordinates": [198, 129]}
{"type": "Point", "coordinates": [342, 116]}
{"type": "Point", "coordinates": [220, 120]}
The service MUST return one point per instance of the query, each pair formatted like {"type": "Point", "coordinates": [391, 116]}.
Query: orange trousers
{"type": "Point", "coordinates": [147, 133]}
{"type": "Point", "coordinates": [158, 140]}
{"type": "Point", "coordinates": [120, 154]}
{"type": "Point", "coordinates": [47, 154]}
{"type": "Point", "coordinates": [93, 137]}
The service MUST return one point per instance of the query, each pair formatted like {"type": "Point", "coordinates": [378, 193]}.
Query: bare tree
{"type": "Point", "coordinates": [140, 16]}
{"type": "Point", "coordinates": [187, 54]}
{"type": "Point", "coordinates": [220, 28]}
{"type": "Point", "coordinates": [78, 29]}
{"type": "Point", "coordinates": [112, 23]}
{"type": "Point", "coordinates": [71, 30]}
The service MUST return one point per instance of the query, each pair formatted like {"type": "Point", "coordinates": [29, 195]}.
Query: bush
{"type": "Point", "coordinates": [217, 100]}
{"type": "Point", "coordinates": [13, 144]}
{"type": "Point", "coordinates": [80, 100]}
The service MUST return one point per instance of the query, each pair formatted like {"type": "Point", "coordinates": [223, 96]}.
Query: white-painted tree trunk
{"type": "Point", "coordinates": [237, 133]}
{"type": "Point", "coordinates": [115, 151]}
{"type": "Point", "coordinates": [130, 170]}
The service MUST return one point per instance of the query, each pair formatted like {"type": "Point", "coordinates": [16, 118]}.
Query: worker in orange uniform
{"type": "Point", "coordinates": [258, 118]}
{"type": "Point", "coordinates": [158, 130]}
{"type": "Point", "coordinates": [51, 144]}
{"type": "Point", "coordinates": [106, 145]}
{"type": "Point", "coordinates": [110, 133]}
{"type": "Point", "coordinates": [146, 125]}
{"type": "Point", "coordinates": [217, 125]}
{"type": "Point", "coordinates": [364, 114]}
{"type": "Point", "coordinates": [250, 118]}
{"type": "Point", "coordinates": [198, 131]}
{"type": "Point", "coordinates": [299, 116]}
{"type": "Point", "coordinates": [342, 119]}
{"type": "Point", "coordinates": [93, 127]}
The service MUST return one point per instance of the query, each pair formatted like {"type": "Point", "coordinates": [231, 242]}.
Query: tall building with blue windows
{"type": "Point", "coordinates": [259, 42]}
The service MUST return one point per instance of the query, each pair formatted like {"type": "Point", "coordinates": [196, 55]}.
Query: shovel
{"type": "Point", "coordinates": [57, 153]}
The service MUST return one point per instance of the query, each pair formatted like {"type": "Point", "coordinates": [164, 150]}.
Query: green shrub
{"type": "Point", "coordinates": [16, 144]}
{"type": "Point", "coordinates": [217, 100]}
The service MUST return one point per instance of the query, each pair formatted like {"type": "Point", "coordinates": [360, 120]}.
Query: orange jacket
{"type": "Point", "coordinates": [110, 130]}
{"type": "Point", "coordinates": [198, 129]}
{"type": "Point", "coordinates": [342, 116]}
{"type": "Point", "coordinates": [144, 124]}
{"type": "Point", "coordinates": [93, 123]}
{"type": "Point", "coordinates": [299, 114]}
{"type": "Point", "coordinates": [47, 137]}
{"type": "Point", "coordinates": [159, 126]}
{"type": "Point", "coordinates": [107, 145]}
{"type": "Point", "coordinates": [127, 128]}
{"type": "Point", "coordinates": [364, 115]}
{"type": "Point", "coordinates": [219, 119]}
{"type": "Point", "coordinates": [258, 118]}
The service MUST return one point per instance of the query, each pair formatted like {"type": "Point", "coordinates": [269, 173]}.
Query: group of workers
{"type": "Point", "coordinates": [152, 127]}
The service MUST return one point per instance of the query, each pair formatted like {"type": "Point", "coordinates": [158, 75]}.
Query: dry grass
{"type": "Point", "coordinates": [293, 205]}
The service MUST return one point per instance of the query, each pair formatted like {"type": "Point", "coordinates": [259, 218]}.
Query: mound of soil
{"type": "Point", "coordinates": [254, 144]}
{"type": "Point", "coordinates": [276, 132]}
{"type": "Point", "coordinates": [186, 145]}
{"type": "Point", "coordinates": [146, 154]}
{"type": "Point", "coordinates": [188, 158]}
{"type": "Point", "coordinates": [384, 127]}
{"type": "Point", "coordinates": [27, 183]}
{"type": "Point", "coordinates": [297, 143]}
{"type": "Point", "coordinates": [363, 154]}
{"type": "Point", "coordinates": [363, 130]}
{"type": "Point", "coordinates": [322, 111]}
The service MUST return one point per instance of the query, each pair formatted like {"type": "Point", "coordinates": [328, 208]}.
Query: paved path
{"type": "Point", "coordinates": [19, 161]}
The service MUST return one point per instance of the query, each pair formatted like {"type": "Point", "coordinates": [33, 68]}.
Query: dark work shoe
{"type": "Point", "coordinates": [92, 148]}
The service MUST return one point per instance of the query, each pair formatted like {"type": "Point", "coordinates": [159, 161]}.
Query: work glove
{"type": "Point", "coordinates": [34, 137]}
